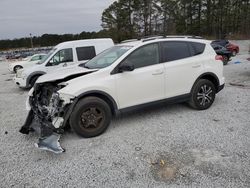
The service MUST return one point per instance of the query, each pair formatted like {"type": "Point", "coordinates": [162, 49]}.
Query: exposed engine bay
{"type": "Point", "coordinates": [48, 114]}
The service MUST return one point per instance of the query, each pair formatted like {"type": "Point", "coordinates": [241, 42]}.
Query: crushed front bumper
{"type": "Point", "coordinates": [20, 82]}
{"type": "Point", "coordinates": [48, 115]}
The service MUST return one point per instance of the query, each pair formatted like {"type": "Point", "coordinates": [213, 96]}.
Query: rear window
{"type": "Point", "coordinates": [85, 53]}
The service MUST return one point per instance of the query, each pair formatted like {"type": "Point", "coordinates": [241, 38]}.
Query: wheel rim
{"type": "Point", "coordinates": [225, 58]}
{"type": "Point", "coordinates": [17, 68]}
{"type": "Point", "coordinates": [205, 95]}
{"type": "Point", "coordinates": [92, 118]}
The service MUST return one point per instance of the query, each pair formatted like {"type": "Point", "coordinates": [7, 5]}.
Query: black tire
{"type": "Point", "coordinates": [17, 68]}
{"type": "Point", "coordinates": [90, 117]}
{"type": "Point", "coordinates": [225, 59]}
{"type": "Point", "coordinates": [33, 80]}
{"type": "Point", "coordinates": [202, 95]}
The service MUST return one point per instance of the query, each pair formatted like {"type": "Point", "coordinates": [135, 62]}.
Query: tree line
{"type": "Point", "coordinates": [49, 40]}
{"type": "Point", "coordinates": [210, 18]}
{"type": "Point", "coordinates": [125, 19]}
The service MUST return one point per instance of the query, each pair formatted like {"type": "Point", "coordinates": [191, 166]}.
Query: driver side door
{"type": "Point", "coordinates": [143, 84]}
{"type": "Point", "coordinates": [62, 58]}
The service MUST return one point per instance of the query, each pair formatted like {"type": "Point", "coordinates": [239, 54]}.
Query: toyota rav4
{"type": "Point", "coordinates": [124, 77]}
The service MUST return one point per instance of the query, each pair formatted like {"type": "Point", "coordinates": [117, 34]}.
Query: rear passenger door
{"type": "Point", "coordinates": [183, 64]}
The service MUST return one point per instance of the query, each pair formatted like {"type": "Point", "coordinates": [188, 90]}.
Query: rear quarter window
{"type": "Point", "coordinates": [85, 53]}
{"type": "Point", "coordinates": [196, 48]}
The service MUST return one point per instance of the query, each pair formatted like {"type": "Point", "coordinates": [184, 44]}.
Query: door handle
{"type": "Point", "coordinates": [196, 66]}
{"type": "Point", "coordinates": [157, 72]}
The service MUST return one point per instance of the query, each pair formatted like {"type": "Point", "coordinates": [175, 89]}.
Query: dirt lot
{"type": "Point", "coordinates": [168, 146]}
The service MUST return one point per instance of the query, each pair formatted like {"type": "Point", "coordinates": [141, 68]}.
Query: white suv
{"type": "Point", "coordinates": [124, 77]}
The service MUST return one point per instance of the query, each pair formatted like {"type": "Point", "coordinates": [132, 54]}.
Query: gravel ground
{"type": "Point", "coordinates": [167, 146]}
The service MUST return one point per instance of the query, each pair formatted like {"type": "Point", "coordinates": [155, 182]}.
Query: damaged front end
{"type": "Point", "coordinates": [47, 115]}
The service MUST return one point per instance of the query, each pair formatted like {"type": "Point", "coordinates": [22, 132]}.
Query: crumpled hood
{"type": "Point", "coordinates": [63, 73]}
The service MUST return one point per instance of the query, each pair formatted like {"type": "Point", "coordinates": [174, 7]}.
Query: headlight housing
{"type": "Point", "coordinates": [20, 74]}
{"type": "Point", "coordinates": [66, 97]}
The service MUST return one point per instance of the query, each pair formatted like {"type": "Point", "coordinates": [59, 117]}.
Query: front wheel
{"type": "Point", "coordinates": [202, 95]}
{"type": "Point", "coordinates": [234, 53]}
{"type": "Point", "coordinates": [90, 117]}
{"type": "Point", "coordinates": [16, 68]}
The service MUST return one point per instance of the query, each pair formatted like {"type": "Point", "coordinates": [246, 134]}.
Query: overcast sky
{"type": "Point", "coordinates": [18, 18]}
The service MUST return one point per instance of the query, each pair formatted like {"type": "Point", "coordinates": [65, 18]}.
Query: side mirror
{"type": "Point", "coordinates": [126, 66]}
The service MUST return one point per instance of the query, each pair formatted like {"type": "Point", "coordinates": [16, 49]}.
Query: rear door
{"type": "Point", "coordinates": [183, 64]}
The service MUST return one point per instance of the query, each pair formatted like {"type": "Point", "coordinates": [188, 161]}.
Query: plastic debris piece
{"type": "Point", "coordinates": [237, 62]}
{"type": "Point", "coordinates": [50, 143]}
{"type": "Point", "coordinates": [162, 162]}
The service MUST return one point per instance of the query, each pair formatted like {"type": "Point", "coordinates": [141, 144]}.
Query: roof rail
{"type": "Point", "coordinates": [184, 36]}
{"type": "Point", "coordinates": [148, 38]}
{"type": "Point", "coordinates": [129, 40]}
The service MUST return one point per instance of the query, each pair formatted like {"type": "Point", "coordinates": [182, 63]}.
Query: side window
{"type": "Point", "coordinates": [196, 48]}
{"type": "Point", "coordinates": [144, 56]}
{"type": "Point", "coordinates": [85, 53]}
{"type": "Point", "coordinates": [62, 56]}
{"type": "Point", "coordinates": [35, 58]}
{"type": "Point", "coordinates": [174, 50]}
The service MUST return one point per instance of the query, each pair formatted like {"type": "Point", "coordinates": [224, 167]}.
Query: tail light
{"type": "Point", "coordinates": [219, 57]}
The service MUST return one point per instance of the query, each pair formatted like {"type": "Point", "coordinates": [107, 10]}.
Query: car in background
{"type": "Point", "coordinates": [62, 56]}
{"type": "Point", "coordinates": [27, 62]}
{"type": "Point", "coordinates": [224, 52]}
{"type": "Point", "coordinates": [2, 58]}
{"type": "Point", "coordinates": [228, 45]}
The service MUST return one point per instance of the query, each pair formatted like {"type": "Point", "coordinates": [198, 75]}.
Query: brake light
{"type": "Point", "coordinates": [219, 57]}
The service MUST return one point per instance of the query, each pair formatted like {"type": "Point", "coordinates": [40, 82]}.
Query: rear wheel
{"type": "Point", "coordinates": [225, 59]}
{"type": "Point", "coordinates": [234, 53]}
{"type": "Point", "coordinates": [203, 95]}
{"type": "Point", "coordinates": [90, 117]}
{"type": "Point", "coordinates": [16, 68]}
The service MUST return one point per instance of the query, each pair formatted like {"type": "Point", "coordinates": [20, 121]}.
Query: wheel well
{"type": "Point", "coordinates": [211, 78]}
{"type": "Point", "coordinates": [107, 99]}
{"type": "Point", "coordinates": [36, 75]}
{"type": "Point", "coordinates": [17, 66]}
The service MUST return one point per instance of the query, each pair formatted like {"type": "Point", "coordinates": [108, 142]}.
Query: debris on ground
{"type": "Point", "coordinates": [137, 148]}
{"type": "Point", "coordinates": [239, 85]}
{"type": "Point", "coordinates": [216, 120]}
{"type": "Point", "coordinates": [237, 62]}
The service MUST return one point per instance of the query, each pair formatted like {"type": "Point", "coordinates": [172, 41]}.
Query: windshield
{"type": "Point", "coordinates": [47, 56]}
{"type": "Point", "coordinates": [106, 58]}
